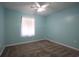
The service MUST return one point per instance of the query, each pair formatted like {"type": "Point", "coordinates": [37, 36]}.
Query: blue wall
{"type": "Point", "coordinates": [63, 26]}
{"type": "Point", "coordinates": [1, 28]}
{"type": "Point", "coordinates": [13, 27]}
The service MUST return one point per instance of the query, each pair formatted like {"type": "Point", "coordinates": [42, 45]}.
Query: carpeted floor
{"type": "Point", "coordinates": [43, 48]}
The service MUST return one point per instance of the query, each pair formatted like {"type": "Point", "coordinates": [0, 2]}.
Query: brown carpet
{"type": "Point", "coordinates": [43, 48]}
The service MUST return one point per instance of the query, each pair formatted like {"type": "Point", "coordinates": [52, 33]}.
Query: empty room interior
{"type": "Point", "coordinates": [39, 29]}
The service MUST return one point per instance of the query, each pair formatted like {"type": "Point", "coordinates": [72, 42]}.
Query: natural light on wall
{"type": "Point", "coordinates": [28, 26]}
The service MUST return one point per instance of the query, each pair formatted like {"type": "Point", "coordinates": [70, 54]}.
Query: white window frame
{"type": "Point", "coordinates": [27, 31]}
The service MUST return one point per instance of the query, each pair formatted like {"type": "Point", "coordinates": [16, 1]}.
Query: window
{"type": "Point", "coordinates": [28, 26]}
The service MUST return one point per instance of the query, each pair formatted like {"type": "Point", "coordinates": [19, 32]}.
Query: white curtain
{"type": "Point", "coordinates": [28, 26]}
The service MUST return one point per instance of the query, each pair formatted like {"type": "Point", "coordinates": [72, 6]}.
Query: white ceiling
{"type": "Point", "coordinates": [26, 6]}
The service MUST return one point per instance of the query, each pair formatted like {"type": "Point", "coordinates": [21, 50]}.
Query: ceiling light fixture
{"type": "Point", "coordinates": [40, 8]}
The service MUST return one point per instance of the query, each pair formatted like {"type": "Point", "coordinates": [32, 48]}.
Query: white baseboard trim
{"type": "Point", "coordinates": [22, 42]}
{"type": "Point", "coordinates": [63, 44]}
{"type": "Point", "coordinates": [2, 51]}
{"type": "Point", "coordinates": [39, 40]}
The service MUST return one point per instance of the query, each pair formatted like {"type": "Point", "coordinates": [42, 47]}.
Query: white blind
{"type": "Point", "coordinates": [28, 26]}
